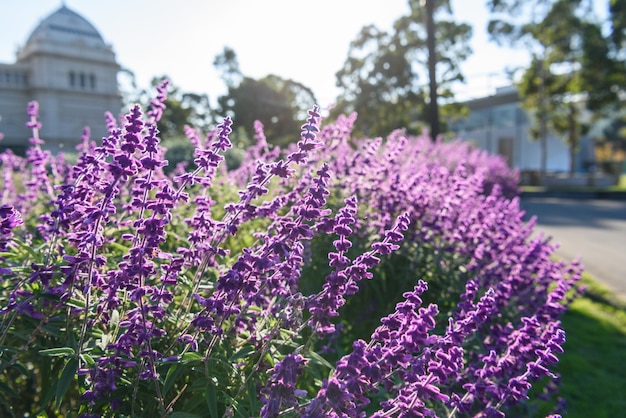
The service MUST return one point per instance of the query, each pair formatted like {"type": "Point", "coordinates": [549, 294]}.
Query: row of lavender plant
{"type": "Point", "coordinates": [126, 291]}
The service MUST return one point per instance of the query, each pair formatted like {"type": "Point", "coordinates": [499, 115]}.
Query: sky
{"type": "Point", "coordinates": [306, 41]}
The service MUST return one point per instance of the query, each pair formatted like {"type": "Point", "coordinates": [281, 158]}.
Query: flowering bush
{"type": "Point", "coordinates": [130, 292]}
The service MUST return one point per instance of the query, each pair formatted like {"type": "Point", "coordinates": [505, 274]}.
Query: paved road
{"type": "Point", "coordinates": [594, 230]}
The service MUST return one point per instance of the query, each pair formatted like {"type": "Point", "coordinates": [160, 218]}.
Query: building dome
{"type": "Point", "coordinates": [65, 26]}
{"type": "Point", "coordinates": [66, 66]}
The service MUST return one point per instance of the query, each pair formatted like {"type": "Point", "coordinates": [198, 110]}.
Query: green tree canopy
{"type": "Point", "coordinates": [384, 79]}
{"type": "Point", "coordinates": [228, 66]}
{"type": "Point", "coordinates": [280, 104]}
{"type": "Point", "coordinates": [183, 108]}
{"type": "Point", "coordinates": [573, 69]}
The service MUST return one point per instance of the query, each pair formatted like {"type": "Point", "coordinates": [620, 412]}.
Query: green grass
{"type": "Point", "coordinates": [619, 187]}
{"type": "Point", "coordinates": [593, 366]}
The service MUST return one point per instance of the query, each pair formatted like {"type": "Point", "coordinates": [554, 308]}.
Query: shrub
{"type": "Point", "coordinates": [130, 292]}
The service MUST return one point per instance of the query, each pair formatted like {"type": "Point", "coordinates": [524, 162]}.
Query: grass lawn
{"type": "Point", "coordinates": [619, 187]}
{"type": "Point", "coordinates": [593, 367]}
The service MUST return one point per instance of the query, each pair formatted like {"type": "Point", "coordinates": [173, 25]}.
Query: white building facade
{"type": "Point", "coordinates": [500, 125]}
{"type": "Point", "coordinates": [66, 66]}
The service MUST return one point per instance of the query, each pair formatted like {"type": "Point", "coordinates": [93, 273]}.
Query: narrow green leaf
{"type": "Point", "coordinates": [8, 349]}
{"type": "Point", "coordinates": [24, 246]}
{"type": "Point", "coordinates": [54, 331]}
{"type": "Point", "coordinates": [52, 386]}
{"type": "Point", "coordinates": [210, 395]}
{"type": "Point", "coordinates": [252, 395]}
{"type": "Point", "coordinates": [4, 388]}
{"type": "Point", "coordinates": [67, 375]}
{"type": "Point", "coordinates": [244, 352]}
{"type": "Point", "coordinates": [316, 358]}
{"type": "Point", "coordinates": [75, 303]}
{"type": "Point", "coordinates": [60, 351]}
{"type": "Point", "coordinates": [48, 374]}
{"type": "Point", "coordinates": [119, 246]}
{"type": "Point", "coordinates": [88, 359]}
{"type": "Point", "coordinates": [187, 357]}
{"type": "Point", "coordinates": [172, 374]}
{"type": "Point", "coordinates": [184, 415]}
{"type": "Point", "coordinates": [49, 395]}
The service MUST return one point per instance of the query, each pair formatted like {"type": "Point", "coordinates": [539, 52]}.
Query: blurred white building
{"type": "Point", "coordinates": [500, 125]}
{"type": "Point", "coordinates": [68, 68]}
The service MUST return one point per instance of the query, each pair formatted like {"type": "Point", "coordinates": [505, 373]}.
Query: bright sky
{"type": "Point", "coordinates": [306, 41]}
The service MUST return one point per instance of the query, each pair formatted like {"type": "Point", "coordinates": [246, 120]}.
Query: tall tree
{"type": "Point", "coordinates": [384, 77]}
{"type": "Point", "coordinates": [228, 66]}
{"type": "Point", "coordinates": [435, 127]}
{"type": "Point", "coordinates": [617, 17]}
{"type": "Point", "coordinates": [572, 69]}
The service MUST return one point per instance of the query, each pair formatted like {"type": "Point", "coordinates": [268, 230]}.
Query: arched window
{"type": "Point", "coordinates": [72, 79]}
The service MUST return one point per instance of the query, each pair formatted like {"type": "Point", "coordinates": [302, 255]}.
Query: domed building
{"type": "Point", "coordinates": [68, 68]}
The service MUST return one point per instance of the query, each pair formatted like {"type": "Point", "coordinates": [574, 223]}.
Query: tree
{"type": "Point", "coordinates": [383, 77]}
{"type": "Point", "coordinates": [182, 108]}
{"type": "Point", "coordinates": [280, 104]}
{"type": "Point", "coordinates": [228, 66]}
{"type": "Point", "coordinates": [573, 70]}
{"type": "Point", "coordinates": [617, 16]}
{"type": "Point", "coordinates": [432, 67]}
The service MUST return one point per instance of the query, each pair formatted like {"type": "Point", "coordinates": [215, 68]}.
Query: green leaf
{"type": "Point", "coordinates": [210, 395]}
{"type": "Point", "coordinates": [189, 357]}
{"type": "Point", "coordinates": [60, 351]}
{"type": "Point", "coordinates": [8, 349]}
{"type": "Point", "coordinates": [24, 246]}
{"type": "Point", "coordinates": [88, 359]}
{"type": "Point", "coordinates": [75, 303]}
{"type": "Point", "coordinates": [49, 395]}
{"type": "Point", "coordinates": [252, 396]}
{"type": "Point", "coordinates": [244, 352]}
{"type": "Point", "coordinates": [67, 375]}
{"type": "Point", "coordinates": [54, 331]}
{"type": "Point", "coordinates": [317, 359]}
{"type": "Point", "coordinates": [119, 246]}
{"type": "Point", "coordinates": [184, 415]}
{"type": "Point", "coordinates": [172, 374]}
{"type": "Point", "coordinates": [4, 388]}
{"type": "Point", "coordinates": [48, 375]}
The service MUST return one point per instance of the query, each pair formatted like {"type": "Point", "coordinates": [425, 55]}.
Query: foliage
{"type": "Point", "coordinates": [128, 292]}
{"type": "Point", "coordinates": [574, 66]}
{"type": "Point", "coordinates": [228, 66]}
{"type": "Point", "coordinates": [181, 109]}
{"type": "Point", "coordinates": [280, 104]}
{"type": "Point", "coordinates": [592, 370]}
{"type": "Point", "coordinates": [384, 78]}
{"type": "Point", "coordinates": [617, 17]}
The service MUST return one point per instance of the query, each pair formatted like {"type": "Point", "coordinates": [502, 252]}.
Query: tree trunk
{"type": "Point", "coordinates": [432, 70]}
{"type": "Point", "coordinates": [543, 135]}
{"type": "Point", "coordinates": [572, 138]}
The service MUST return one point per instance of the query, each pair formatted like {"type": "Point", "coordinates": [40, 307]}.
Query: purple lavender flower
{"type": "Point", "coordinates": [280, 392]}
{"type": "Point", "coordinates": [157, 105]}
{"type": "Point", "coordinates": [33, 113]}
{"type": "Point", "coordinates": [9, 220]}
